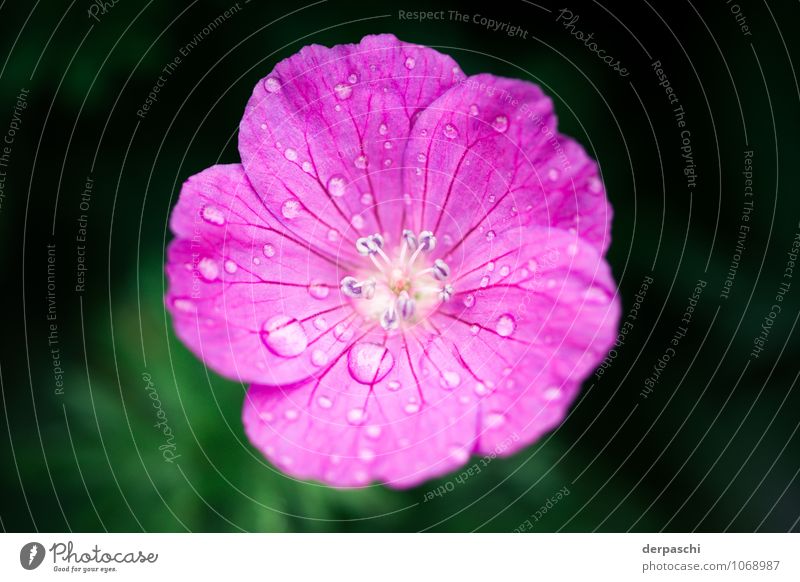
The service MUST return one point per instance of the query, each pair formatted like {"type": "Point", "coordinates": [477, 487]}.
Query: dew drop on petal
{"type": "Point", "coordinates": [450, 379]}
{"type": "Point", "coordinates": [474, 329]}
{"type": "Point", "coordinates": [318, 290]}
{"type": "Point", "coordinates": [410, 63]}
{"type": "Point", "coordinates": [552, 174]}
{"type": "Point", "coordinates": [320, 323]}
{"type": "Point", "coordinates": [291, 414]}
{"type": "Point", "coordinates": [393, 385]}
{"type": "Point", "coordinates": [505, 325]}
{"type": "Point", "coordinates": [231, 266]}
{"type": "Point", "coordinates": [469, 300]}
{"type": "Point", "coordinates": [373, 431]}
{"type": "Point", "coordinates": [490, 266]}
{"type": "Point", "coordinates": [369, 363]}
{"type": "Point", "coordinates": [213, 215]}
{"type": "Point", "coordinates": [383, 130]}
{"type": "Point", "coordinates": [473, 110]}
{"type": "Point", "coordinates": [450, 131]}
{"type": "Point", "coordinates": [336, 186]}
{"type": "Point", "coordinates": [356, 416]}
{"type": "Point", "coordinates": [366, 199]}
{"type": "Point", "coordinates": [284, 336]}
{"type": "Point", "coordinates": [485, 281]}
{"type": "Point", "coordinates": [411, 408]}
{"type": "Point", "coordinates": [480, 389]}
{"type": "Point", "coordinates": [290, 154]}
{"type": "Point", "coordinates": [552, 393]}
{"type": "Point", "coordinates": [208, 268]}
{"type": "Point", "coordinates": [307, 167]}
{"type": "Point", "coordinates": [268, 250]}
{"type": "Point", "coordinates": [495, 419]}
{"type": "Point", "coordinates": [333, 236]}
{"type": "Point", "coordinates": [352, 79]}
{"type": "Point", "coordinates": [182, 304]}
{"type": "Point", "coordinates": [500, 123]}
{"type": "Point", "coordinates": [459, 454]}
{"type": "Point", "coordinates": [387, 145]}
{"type": "Point", "coordinates": [421, 157]}
{"type": "Point", "coordinates": [342, 332]}
{"type": "Point", "coordinates": [360, 162]}
{"type": "Point", "coordinates": [357, 221]}
{"type": "Point", "coordinates": [595, 185]}
{"type": "Point", "coordinates": [272, 85]}
{"type": "Point", "coordinates": [290, 208]}
{"type": "Point", "coordinates": [572, 249]}
{"type": "Point", "coordinates": [505, 270]}
{"type": "Point", "coordinates": [324, 402]}
{"type": "Point", "coordinates": [343, 91]}
{"type": "Point", "coordinates": [490, 235]}
{"type": "Point", "coordinates": [319, 358]}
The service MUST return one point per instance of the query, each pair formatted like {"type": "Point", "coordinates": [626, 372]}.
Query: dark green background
{"type": "Point", "coordinates": [713, 448]}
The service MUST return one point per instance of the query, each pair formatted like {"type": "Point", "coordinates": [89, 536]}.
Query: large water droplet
{"type": "Point", "coordinates": [318, 290]}
{"type": "Point", "coordinates": [450, 131]}
{"type": "Point", "coordinates": [500, 123]}
{"type": "Point", "coordinates": [319, 358]}
{"type": "Point", "coordinates": [290, 154]}
{"type": "Point", "coordinates": [213, 215]}
{"type": "Point", "coordinates": [272, 85]}
{"type": "Point", "coordinates": [505, 325]}
{"type": "Point", "coordinates": [269, 251]}
{"type": "Point", "coordinates": [343, 91]}
{"type": "Point", "coordinates": [368, 362]}
{"type": "Point", "coordinates": [284, 336]}
{"type": "Point", "coordinates": [360, 162]}
{"type": "Point", "coordinates": [336, 185]}
{"type": "Point", "coordinates": [208, 268]}
{"type": "Point", "coordinates": [291, 208]}
{"type": "Point", "coordinates": [450, 379]}
{"type": "Point", "coordinates": [410, 63]}
{"type": "Point", "coordinates": [231, 266]}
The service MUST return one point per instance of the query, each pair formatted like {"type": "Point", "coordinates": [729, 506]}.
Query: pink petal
{"type": "Point", "coordinates": [486, 157]}
{"type": "Point", "coordinates": [530, 324]}
{"type": "Point", "coordinates": [323, 136]}
{"type": "Point", "coordinates": [410, 407]}
{"type": "Point", "coordinates": [254, 304]}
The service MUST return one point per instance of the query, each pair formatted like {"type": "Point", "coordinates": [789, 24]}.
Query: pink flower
{"type": "Point", "coordinates": [407, 266]}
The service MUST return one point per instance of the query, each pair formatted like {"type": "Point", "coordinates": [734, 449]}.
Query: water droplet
{"type": "Point", "coordinates": [208, 268]}
{"type": "Point", "coordinates": [533, 265]}
{"type": "Point", "coordinates": [393, 385]}
{"type": "Point", "coordinates": [373, 431]}
{"type": "Point", "coordinates": [256, 261]}
{"type": "Point", "coordinates": [272, 85]}
{"type": "Point", "coordinates": [320, 323]}
{"type": "Point", "coordinates": [552, 393]}
{"type": "Point", "coordinates": [336, 185]}
{"type": "Point", "coordinates": [366, 199]}
{"type": "Point", "coordinates": [343, 91]}
{"type": "Point", "coordinates": [284, 336]}
{"type": "Point", "coordinates": [474, 329]}
{"type": "Point", "coordinates": [383, 130]}
{"type": "Point", "coordinates": [596, 295]}
{"type": "Point", "coordinates": [423, 132]}
{"type": "Point", "coordinates": [290, 154]}
{"type": "Point", "coordinates": [342, 332]}
{"type": "Point", "coordinates": [387, 145]}
{"type": "Point", "coordinates": [231, 266]}
{"type": "Point", "coordinates": [318, 290]}
{"type": "Point", "coordinates": [595, 185]}
{"type": "Point", "coordinates": [410, 63]}
{"type": "Point", "coordinates": [450, 131]}
{"type": "Point", "coordinates": [360, 162]}
{"type": "Point", "coordinates": [411, 408]}
{"type": "Point", "coordinates": [213, 215]}
{"type": "Point", "coordinates": [357, 221]}
{"type": "Point", "coordinates": [490, 266]}
{"type": "Point", "coordinates": [269, 250]}
{"type": "Point", "coordinates": [356, 416]}
{"type": "Point", "coordinates": [307, 168]}
{"type": "Point", "coordinates": [469, 300]}
{"type": "Point", "coordinates": [421, 157]}
{"type": "Point", "coordinates": [182, 304]}
{"type": "Point", "coordinates": [324, 402]}
{"type": "Point", "coordinates": [480, 389]}
{"type": "Point", "coordinates": [484, 280]}
{"type": "Point", "coordinates": [495, 419]}
{"type": "Point", "coordinates": [387, 162]}
{"type": "Point", "coordinates": [505, 325]}
{"type": "Point", "coordinates": [369, 363]}
{"type": "Point", "coordinates": [505, 270]}
{"type": "Point", "coordinates": [319, 358]}
{"type": "Point", "coordinates": [500, 123]}
{"type": "Point", "coordinates": [572, 249]}
{"type": "Point", "coordinates": [450, 379]}
{"type": "Point", "coordinates": [352, 79]}
{"type": "Point", "coordinates": [490, 235]}
{"type": "Point", "coordinates": [291, 415]}
{"type": "Point", "coordinates": [366, 455]}
{"type": "Point", "coordinates": [473, 110]}
{"type": "Point", "coordinates": [333, 236]}
{"type": "Point", "coordinates": [552, 174]}
{"type": "Point", "coordinates": [290, 208]}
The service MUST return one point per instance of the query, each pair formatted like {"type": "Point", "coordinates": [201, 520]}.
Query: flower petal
{"type": "Point", "coordinates": [486, 157]}
{"type": "Point", "coordinates": [530, 324]}
{"type": "Point", "coordinates": [254, 303]}
{"type": "Point", "coordinates": [323, 136]}
{"type": "Point", "coordinates": [487, 374]}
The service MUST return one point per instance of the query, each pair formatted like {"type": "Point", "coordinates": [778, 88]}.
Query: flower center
{"type": "Point", "coordinates": [399, 291]}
